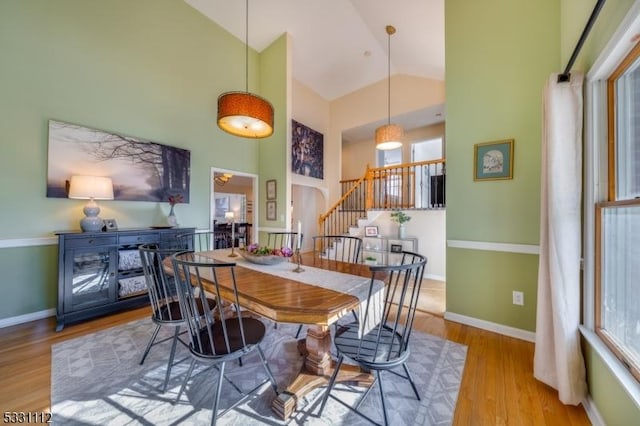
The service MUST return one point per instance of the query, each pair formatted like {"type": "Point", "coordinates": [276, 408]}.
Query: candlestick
{"type": "Point", "coordinates": [298, 257]}
{"type": "Point", "coordinates": [233, 236]}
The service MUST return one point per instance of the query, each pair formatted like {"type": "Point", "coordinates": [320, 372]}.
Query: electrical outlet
{"type": "Point", "coordinates": [518, 298]}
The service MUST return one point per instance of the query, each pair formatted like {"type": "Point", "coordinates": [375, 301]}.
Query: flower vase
{"type": "Point", "coordinates": [172, 220]}
{"type": "Point", "coordinates": [402, 231]}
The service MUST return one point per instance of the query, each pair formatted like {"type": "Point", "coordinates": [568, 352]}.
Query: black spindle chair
{"type": "Point", "coordinates": [165, 308]}
{"type": "Point", "coordinates": [283, 239]}
{"type": "Point", "coordinates": [385, 346]}
{"type": "Point", "coordinates": [340, 248]}
{"type": "Point", "coordinates": [207, 240]}
{"type": "Point", "coordinates": [228, 336]}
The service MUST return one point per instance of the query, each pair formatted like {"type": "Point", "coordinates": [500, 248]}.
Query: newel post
{"type": "Point", "coordinates": [368, 202]}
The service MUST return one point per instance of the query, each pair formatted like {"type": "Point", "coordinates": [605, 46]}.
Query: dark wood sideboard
{"type": "Point", "coordinates": [100, 272]}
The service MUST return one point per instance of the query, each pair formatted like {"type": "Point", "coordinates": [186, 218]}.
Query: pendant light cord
{"type": "Point", "coordinates": [246, 47]}
{"type": "Point", "coordinates": [390, 30]}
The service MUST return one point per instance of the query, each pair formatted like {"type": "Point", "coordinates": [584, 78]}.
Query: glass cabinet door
{"type": "Point", "coordinates": [92, 278]}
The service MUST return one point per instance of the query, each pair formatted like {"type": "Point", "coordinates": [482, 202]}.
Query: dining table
{"type": "Point", "coordinates": [316, 292]}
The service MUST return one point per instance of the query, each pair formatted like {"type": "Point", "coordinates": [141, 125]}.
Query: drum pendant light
{"type": "Point", "coordinates": [242, 113]}
{"type": "Point", "coordinates": [390, 135]}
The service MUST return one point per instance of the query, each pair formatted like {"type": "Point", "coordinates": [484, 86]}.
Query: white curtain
{"type": "Point", "coordinates": [558, 359]}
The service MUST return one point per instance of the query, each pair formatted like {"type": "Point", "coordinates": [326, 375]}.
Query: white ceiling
{"type": "Point", "coordinates": [340, 46]}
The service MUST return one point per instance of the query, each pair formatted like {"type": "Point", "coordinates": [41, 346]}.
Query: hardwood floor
{"type": "Point", "coordinates": [498, 387]}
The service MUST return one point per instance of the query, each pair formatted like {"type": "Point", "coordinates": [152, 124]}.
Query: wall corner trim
{"type": "Point", "coordinates": [492, 326]}
{"type": "Point", "coordinates": [489, 246]}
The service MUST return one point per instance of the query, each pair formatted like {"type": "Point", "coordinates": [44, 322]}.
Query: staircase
{"type": "Point", "coordinates": [405, 186]}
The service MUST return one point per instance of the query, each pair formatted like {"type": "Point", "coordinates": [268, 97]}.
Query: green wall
{"type": "Point", "coordinates": [151, 69]}
{"type": "Point", "coordinates": [499, 54]}
{"type": "Point", "coordinates": [273, 154]}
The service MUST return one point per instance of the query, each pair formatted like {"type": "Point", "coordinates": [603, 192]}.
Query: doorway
{"type": "Point", "coordinates": [237, 192]}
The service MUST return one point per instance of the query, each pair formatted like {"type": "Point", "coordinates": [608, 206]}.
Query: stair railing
{"type": "Point", "coordinates": [419, 185]}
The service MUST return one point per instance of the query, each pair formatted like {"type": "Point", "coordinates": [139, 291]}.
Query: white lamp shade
{"type": "Point", "coordinates": [88, 187]}
{"type": "Point", "coordinates": [229, 215]}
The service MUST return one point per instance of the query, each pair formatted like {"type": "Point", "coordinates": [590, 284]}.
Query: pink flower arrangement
{"type": "Point", "coordinates": [258, 250]}
{"type": "Point", "coordinates": [175, 199]}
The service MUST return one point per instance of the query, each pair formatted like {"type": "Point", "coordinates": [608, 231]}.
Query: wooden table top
{"type": "Point", "coordinates": [287, 300]}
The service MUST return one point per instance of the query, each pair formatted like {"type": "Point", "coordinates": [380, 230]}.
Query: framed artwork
{"type": "Point", "coordinates": [307, 151]}
{"type": "Point", "coordinates": [272, 193]}
{"type": "Point", "coordinates": [493, 160]}
{"type": "Point", "coordinates": [396, 248]}
{"type": "Point", "coordinates": [110, 225]}
{"type": "Point", "coordinates": [221, 207]}
{"type": "Point", "coordinates": [371, 231]}
{"type": "Point", "coordinates": [141, 170]}
{"type": "Point", "coordinates": [272, 210]}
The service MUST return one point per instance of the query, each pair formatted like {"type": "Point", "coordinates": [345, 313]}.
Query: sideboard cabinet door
{"type": "Point", "coordinates": [91, 277]}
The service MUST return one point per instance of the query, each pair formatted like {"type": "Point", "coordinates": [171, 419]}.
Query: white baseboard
{"type": "Point", "coordinates": [435, 277]}
{"type": "Point", "coordinates": [592, 412]}
{"type": "Point", "coordinates": [492, 326]}
{"type": "Point", "coordinates": [20, 319]}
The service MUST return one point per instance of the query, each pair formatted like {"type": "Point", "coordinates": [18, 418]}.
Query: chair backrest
{"type": "Point", "coordinates": [204, 241]}
{"type": "Point", "coordinates": [220, 337]}
{"type": "Point", "coordinates": [390, 338]}
{"type": "Point", "coordinates": [283, 239]}
{"type": "Point", "coordinates": [342, 248]}
{"type": "Point", "coordinates": [161, 287]}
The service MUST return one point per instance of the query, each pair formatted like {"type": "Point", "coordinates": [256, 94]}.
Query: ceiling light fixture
{"type": "Point", "coordinates": [242, 113]}
{"type": "Point", "coordinates": [390, 135]}
{"type": "Point", "coordinates": [223, 179]}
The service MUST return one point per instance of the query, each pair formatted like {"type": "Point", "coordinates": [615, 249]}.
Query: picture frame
{"type": "Point", "coordinates": [371, 231]}
{"type": "Point", "coordinates": [396, 248]}
{"type": "Point", "coordinates": [493, 160]}
{"type": "Point", "coordinates": [307, 151]}
{"type": "Point", "coordinates": [110, 225]}
{"type": "Point", "coordinates": [272, 189]}
{"type": "Point", "coordinates": [272, 210]}
{"type": "Point", "coordinates": [154, 171]}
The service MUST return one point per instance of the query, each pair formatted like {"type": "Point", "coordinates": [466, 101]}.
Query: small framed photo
{"type": "Point", "coordinates": [396, 248]}
{"type": "Point", "coordinates": [110, 225]}
{"type": "Point", "coordinates": [272, 190]}
{"type": "Point", "coordinates": [371, 231]}
{"type": "Point", "coordinates": [272, 210]}
{"type": "Point", "coordinates": [493, 160]}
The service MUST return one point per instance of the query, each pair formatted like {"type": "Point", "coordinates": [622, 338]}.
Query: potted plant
{"type": "Point", "coordinates": [370, 260]}
{"type": "Point", "coordinates": [400, 218]}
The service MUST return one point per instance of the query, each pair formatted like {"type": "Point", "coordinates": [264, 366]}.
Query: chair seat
{"type": "Point", "coordinates": [254, 331]}
{"type": "Point", "coordinates": [170, 312]}
{"type": "Point", "coordinates": [375, 353]}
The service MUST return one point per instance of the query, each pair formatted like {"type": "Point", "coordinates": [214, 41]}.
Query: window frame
{"type": "Point", "coordinates": [596, 188]}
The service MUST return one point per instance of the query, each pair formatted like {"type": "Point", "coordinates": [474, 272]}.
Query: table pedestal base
{"type": "Point", "coordinates": [316, 372]}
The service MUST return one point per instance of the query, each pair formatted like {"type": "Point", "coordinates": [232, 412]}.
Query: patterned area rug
{"type": "Point", "coordinates": [96, 380]}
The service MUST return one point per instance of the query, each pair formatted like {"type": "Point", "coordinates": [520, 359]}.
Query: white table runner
{"type": "Point", "coordinates": [333, 280]}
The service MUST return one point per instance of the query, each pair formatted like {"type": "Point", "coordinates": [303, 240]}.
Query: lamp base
{"type": "Point", "coordinates": [92, 222]}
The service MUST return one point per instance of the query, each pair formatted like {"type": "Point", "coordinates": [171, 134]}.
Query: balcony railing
{"type": "Point", "coordinates": [406, 186]}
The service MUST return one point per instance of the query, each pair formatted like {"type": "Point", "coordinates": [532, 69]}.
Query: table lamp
{"type": "Point", "coordinates": [91, 188]}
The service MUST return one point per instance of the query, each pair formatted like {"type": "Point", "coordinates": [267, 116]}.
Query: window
{"type": "Point", "coordinates": [617, 316]}
{"type": "Point", "coordinates": [392, 180]}
{"type": "Point", "coordinates": [389, 157]}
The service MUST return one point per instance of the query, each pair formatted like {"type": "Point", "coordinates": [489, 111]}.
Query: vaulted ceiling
{"type": "Point", "coordinates": [340, 46]}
